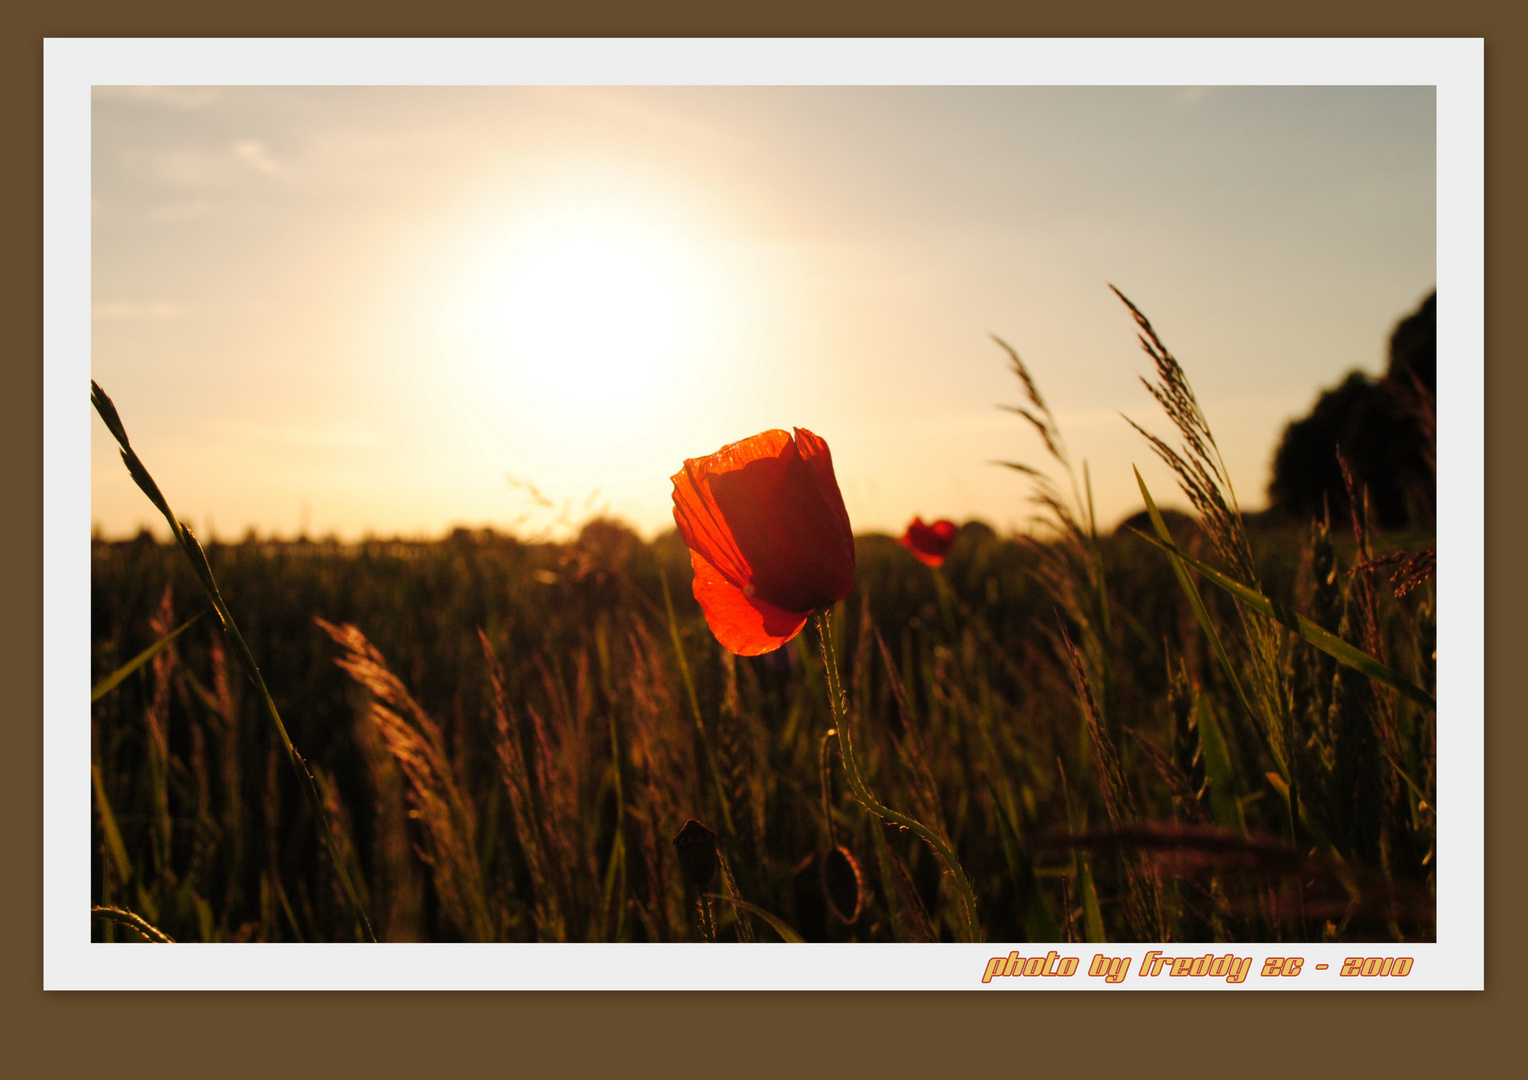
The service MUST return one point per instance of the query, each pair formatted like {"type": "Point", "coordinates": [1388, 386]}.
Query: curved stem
{"type": "Point", "coordinates": [824, 767]}
{"type": "Point", "coordinates": [135, 922]}
{"type": "Point", "coordinates": [862, 794]}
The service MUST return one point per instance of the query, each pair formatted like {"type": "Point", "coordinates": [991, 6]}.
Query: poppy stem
{"type": "Point", "coordinates": [861, 792]}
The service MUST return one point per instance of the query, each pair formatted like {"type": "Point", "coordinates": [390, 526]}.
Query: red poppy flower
{"type": "Point", "coordinates": [768, 534]}
{"type": "Point", "coordinates": [930, 543]}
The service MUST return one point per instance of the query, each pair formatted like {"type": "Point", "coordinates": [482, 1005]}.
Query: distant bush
{"type": "Point", "coordinates": [1383, 428]}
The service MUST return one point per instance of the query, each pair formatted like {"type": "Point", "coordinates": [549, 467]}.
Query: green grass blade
{"type": "Point", "coordinates": [1225, 806]}
{"type": "Point", "coordinates": [612, 893]}
{"type": "Point", "coordinates": [778, 925]}
{"type": "Point", "coordinates": [108, 684]}
{"type": "Point", "coordinates": [1092, 918]}
{"type": "Point", "coordinates": [700, 724]}
{"type": "Point", "coordinates": [1317, 834]}
{"type": "Point", "coordinates": [1205, 622]}
{"type": "Point", "coordinates": [1416, 790]}
{"type": "Point", "coordinates": [1035, 914]}
{"type": "Point", "coordinates": [1340, 650]}
{"type": "Point", "coordinates": [114, 842]}
{"type": "Point", "coordinates": [1092, 915]}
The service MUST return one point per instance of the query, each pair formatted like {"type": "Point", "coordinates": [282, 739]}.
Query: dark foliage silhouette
{"type": "Point", "coordinates": [1383, 427]}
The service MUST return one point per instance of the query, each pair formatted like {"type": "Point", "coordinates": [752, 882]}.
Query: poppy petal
{"type": "Point", "coordinates": [792, 534]}
{"type": "Point", "coordinates": [743, 624]}
{"type": "Point", "coordinates": [814, 451]}
{"type": "Point", "coordinates": [696, 514]}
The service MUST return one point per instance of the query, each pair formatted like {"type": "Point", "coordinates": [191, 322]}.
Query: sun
{"type": "Point", "coordinates": [591, 316]}
{"type": "Point", "coordinates": [580, 336]}
{"type": "Point", "coordinates": [579, 324]}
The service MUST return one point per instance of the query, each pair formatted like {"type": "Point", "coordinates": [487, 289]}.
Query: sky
{"type": "Point", "coordinates": [392, 311]}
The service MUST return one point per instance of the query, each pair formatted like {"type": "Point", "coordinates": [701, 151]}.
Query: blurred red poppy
{"type": "Point", "coordinates": [768, 534]}
{"type": "Point", "coordinates": [931, 543]}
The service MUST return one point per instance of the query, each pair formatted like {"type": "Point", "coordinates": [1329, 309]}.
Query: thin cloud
{"type": "Point", "coordinates": [635, 112]}
{"type": "Point", "coordinates": [328, 436]}
{"type": "Point", "coordinates": [194, 168]}
{"type": "Point", "coordinates": [180, 210]}
{"type": "Point", "coordinates": [128, 311]}
{"type": "Point", "coordinates": [253, 154]}
{"type": "Point", "coordinates": [178, 98]}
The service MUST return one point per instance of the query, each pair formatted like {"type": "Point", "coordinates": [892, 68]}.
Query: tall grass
{"type": "Point", "coordinates": [1059, 736]}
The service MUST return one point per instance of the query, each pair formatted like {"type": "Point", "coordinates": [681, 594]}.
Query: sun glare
{"type": "Point", "coordinates": [578, 338]}
{"type": "Point", "coordinates": [570, 317]}
{"type": "Point", "coordinates": [594, 318]}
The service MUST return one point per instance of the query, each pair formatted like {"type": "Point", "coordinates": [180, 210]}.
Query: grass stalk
{"type": "Point", "coordinates": [1334, 646]}
{"type": "Point", "coordinates": [700, 724]}
{"type": "Point", "coordinates": [203, 570]}
{"type": "Point", "coordinates": [137, 923]}
{"type": "Point", "coordinates": [778, 925]}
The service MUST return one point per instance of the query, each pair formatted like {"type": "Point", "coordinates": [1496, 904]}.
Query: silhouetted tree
{"type": "Point", "coordinates": [1414, 347]}
{"type": "Point", "coordinates": [1384, 428]}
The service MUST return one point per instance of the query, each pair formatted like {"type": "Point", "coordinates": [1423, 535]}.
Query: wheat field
{"type": "Point", "coordinates": [1207, 726]}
